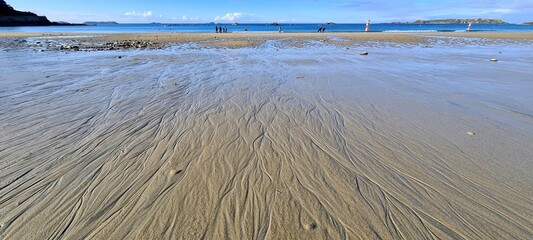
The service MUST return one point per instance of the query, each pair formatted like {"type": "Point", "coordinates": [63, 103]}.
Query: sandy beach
{"type": "Point", "coordinates": [266, 136]}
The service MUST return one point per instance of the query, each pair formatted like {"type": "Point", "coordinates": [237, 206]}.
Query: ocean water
{"type": "Point", "coordinates": [262, 27]}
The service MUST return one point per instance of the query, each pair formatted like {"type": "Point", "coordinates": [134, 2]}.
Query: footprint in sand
{"type": "Point", "coordinates": [174, 172]}
{"type": "Point", "coordinates": [310, 226]}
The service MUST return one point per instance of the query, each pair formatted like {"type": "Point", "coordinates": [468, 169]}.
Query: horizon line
{"type": "Point", "coordinates": [280, 23]}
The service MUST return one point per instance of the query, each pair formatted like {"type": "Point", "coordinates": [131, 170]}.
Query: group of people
{"type": "Point", "coordinates": [221, 29]}
{"type": "Point", "coordinates": [225, 29]}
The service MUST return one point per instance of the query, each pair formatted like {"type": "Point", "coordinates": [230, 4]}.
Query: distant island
{"type": "Point", "coordinates": [461, 21]}
{"type": "Point", "coordinates": [10, 17]}
{"type": "Point", "coordinates": [528, 23]}
{"type": "Point", "coordinates": [99, 23]}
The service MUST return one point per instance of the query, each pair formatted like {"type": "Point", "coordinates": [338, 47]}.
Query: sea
{"type": "Point", "coordinates": [264, 27]}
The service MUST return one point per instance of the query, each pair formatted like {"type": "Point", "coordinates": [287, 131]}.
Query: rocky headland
{"type": "Point", "coordinates": [11, 17]}
{"type": "Point", "coordinates": [461, 21]}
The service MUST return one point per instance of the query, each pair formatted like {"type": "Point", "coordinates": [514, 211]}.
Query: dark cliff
{"type": "Point", "coordinates": [12, 17]}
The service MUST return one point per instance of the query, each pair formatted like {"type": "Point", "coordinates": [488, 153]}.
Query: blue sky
{"type": "Point", "coordinates": [298, 11]}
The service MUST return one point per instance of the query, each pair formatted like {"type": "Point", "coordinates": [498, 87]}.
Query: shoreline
{"type": "Point", "coordinates": [115, 41]}
{"type": "Point", "coordinates": [379, 36]}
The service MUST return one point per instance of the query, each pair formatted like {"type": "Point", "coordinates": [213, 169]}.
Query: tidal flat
{"type": "Point", "coordinates": [267, 136]}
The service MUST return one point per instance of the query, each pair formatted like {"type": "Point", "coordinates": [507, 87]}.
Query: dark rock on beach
{"type": "Point", "coordinates": [130, 44]}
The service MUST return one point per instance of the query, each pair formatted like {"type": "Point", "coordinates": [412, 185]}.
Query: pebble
{"type": "Point", "coordinates": [70, 47]}
{"type": "Point", "coordinates": [363, 53]}
{"type": "Point", "coordinates": [471, 133]}
{"type": "Point", "coordinates": [130, 44]}
{"type": "Point", "coordinates": [493, 60]}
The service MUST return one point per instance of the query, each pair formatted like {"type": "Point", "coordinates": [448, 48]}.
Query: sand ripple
{"type": "Point", "coordinates": [248, 143]}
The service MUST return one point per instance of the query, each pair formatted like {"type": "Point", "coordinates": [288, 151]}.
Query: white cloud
{"type": "Point", "coordinates": [139, 14]}
{"type": "Point", "coordinates": [230, 17]}
{"type": "Point", "coordinates": [496, 11]}
{"type": "Point", "coordinates": [185, 18]}
{"type": "Point", "coordinates": [503, 10]}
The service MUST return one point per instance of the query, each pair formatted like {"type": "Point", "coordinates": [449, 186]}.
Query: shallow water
{"type": "Point", "coordinates": [263, 27]}
{"type": "Point", "coordinates": [268, 142]}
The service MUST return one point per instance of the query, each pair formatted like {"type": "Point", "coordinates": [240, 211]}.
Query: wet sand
{"type": "Point", "coordinates": [254, 39]}
{"type": "Point", "coordinates": [285, 139]}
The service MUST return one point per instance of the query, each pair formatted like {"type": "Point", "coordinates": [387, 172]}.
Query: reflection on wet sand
{"type": "Point", "coordinates": [267, 142]}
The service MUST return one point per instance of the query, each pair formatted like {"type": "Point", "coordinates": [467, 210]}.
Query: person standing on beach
{"type": "Point", "coordinates": [279, 29]}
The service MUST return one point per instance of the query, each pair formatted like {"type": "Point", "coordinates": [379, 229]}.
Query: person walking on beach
{"type": "Point", "coordinates": [216, 27]}
{"type": "Point", "coordinates": [279, 29]}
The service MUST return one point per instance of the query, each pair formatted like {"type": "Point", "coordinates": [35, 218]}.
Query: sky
{"type": "Point", "coordinates": [282, 11]}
